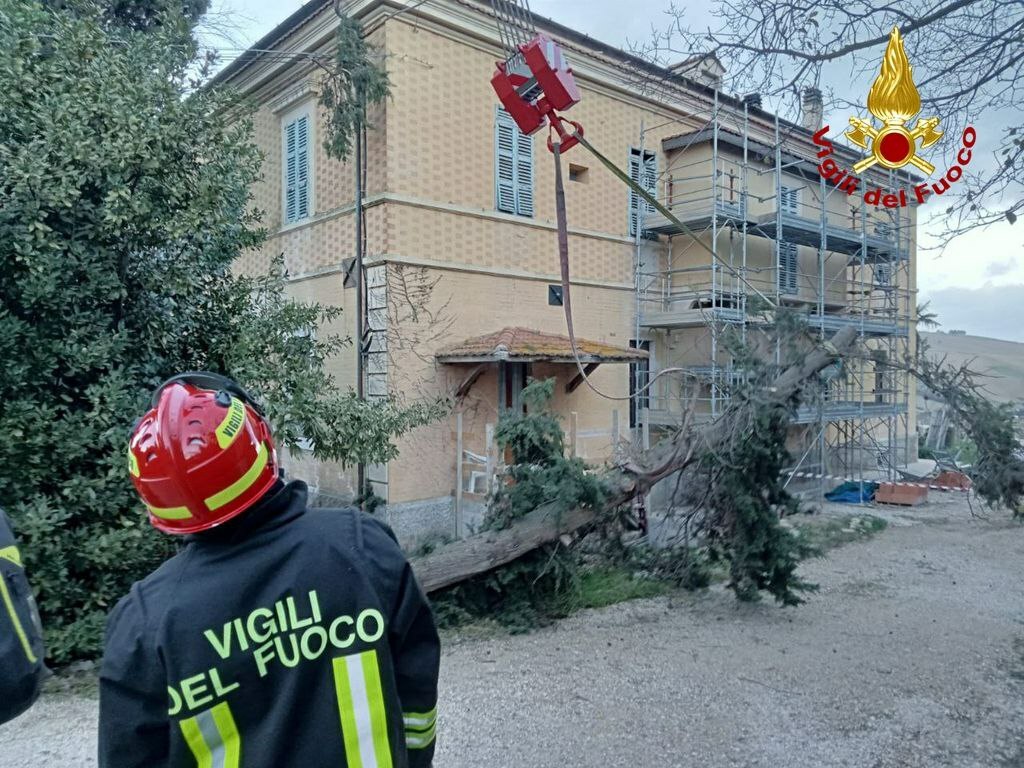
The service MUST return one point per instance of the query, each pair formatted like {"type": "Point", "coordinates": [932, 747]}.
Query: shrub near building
{"type": "Point", "coordinates": [124, 199]}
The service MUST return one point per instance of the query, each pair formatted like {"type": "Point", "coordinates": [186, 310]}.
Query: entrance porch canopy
{"type": "Point", "coordinates": [522, 345]}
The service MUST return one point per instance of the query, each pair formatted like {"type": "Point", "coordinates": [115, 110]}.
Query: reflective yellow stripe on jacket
{"type": "Point", "coordinates": [364, 725]}
{"type": "Point", "coordinates": [213, 738]}
{"type": "Point", "coordinates": [19, 630]}
{"type": "Point", "coordinates": [420, 728]}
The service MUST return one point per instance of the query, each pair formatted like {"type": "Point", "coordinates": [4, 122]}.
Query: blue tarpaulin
{"type": "Point", "coordinates": [853, 493]}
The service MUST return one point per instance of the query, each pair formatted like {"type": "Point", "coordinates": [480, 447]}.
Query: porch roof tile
{"type": "Point", "coordinates": [523, 345]}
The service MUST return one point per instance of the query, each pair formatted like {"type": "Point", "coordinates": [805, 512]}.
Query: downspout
{"type": "Point", "coordinates": [358, 275]}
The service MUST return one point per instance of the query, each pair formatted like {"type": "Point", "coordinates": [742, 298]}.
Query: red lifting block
{"type": "Point", "coordinates": [535, 84]}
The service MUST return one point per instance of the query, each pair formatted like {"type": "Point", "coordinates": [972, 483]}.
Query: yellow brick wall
{"type": "Point", "coordinates": [501, 242]}
{"type": "Point", "coordinates": [466, 304]}
{"type": "Point", "coordinates": [441, 133]}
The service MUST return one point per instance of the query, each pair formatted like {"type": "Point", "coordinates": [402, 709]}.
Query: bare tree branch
{"type": "Point", "coordinates": [968, 58]}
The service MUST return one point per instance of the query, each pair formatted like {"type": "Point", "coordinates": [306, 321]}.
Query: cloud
{"type": "Point", "coordinates": [994, 311]}
{"type": "Point", "coordinates": [1000, 268]}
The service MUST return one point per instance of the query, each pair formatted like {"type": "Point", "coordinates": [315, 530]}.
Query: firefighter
{"type": "Point", "coordinates": [279, 635]}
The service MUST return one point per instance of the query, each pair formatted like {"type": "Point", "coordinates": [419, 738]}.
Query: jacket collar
{"type": "Point", "coordinates": [283, 503]}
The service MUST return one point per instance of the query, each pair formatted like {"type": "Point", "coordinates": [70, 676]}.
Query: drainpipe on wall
{"type": "Point", "coordinates": [357, 271]}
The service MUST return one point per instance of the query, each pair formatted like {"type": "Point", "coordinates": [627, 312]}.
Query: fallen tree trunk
{"type": "Point", "coordinates": [485, 551]}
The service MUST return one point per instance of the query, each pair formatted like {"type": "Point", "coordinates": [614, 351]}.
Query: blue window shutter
{"type": "Point", "coordinates": [650, 178]}
{"type": "Point", "coordinates": [643, 169]}
{"type": "Point", "coordinates": [505, 162]}
{"type": "Point", "coordinates": [524, 174]}
{"type": "Point", "coordinates": [513, 167]}
{"type": "Point", "coordinates": [302, 164]}
{"type": "Point", "coordinates": [290, 173]}
{"type": "Point", "coordinates": [634, 198]}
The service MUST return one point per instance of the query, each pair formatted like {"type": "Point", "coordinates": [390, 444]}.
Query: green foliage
{"type": "Point", "coordinates": [524, 594]}
{"type": "Point", "coordinates": [607, 585]}
{"type": "Point", "coordinates": [688, 566]}
{"type": "Point", "coordinates": [996, 453]}
{"type": "Point", "coordinates": [355, 83]}
{"type": "Point", "coordinates": [124, 201]}
{"type": "Point", "coordinates": [138, 15]}
{"type": "Point", "coordinates": [146, 14]}
{"type": "Point", "coordinates": [538, 586]}
{"type": "Point", "coordinates": [539, 472]}
{"type": "Point", "coordinates": [746, 492]}
{"type": "Point", "coordinates": [749, 497]}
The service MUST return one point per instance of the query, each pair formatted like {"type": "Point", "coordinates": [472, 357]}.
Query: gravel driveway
{"type": "Point", "coordinates": [912, 654]}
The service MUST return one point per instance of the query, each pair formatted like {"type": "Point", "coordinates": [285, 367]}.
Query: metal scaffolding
{"type": "Point", "coordinates": [776, 227]}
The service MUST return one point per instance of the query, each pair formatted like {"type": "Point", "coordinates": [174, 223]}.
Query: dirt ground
{"type": "Point", "coordinates": [911, 654]}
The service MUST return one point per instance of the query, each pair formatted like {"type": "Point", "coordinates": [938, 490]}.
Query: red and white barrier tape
{"type": "Point", "coordinates": [840, 478]}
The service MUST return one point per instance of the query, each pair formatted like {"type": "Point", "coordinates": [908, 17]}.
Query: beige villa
{"type": "Point", "coordinates": [461, 264]}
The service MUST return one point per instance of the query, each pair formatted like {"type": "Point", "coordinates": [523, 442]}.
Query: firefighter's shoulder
{"type": "Point", "coordinates": [135, 614]}
{"type": "Point", "coordinates": [354, 530]}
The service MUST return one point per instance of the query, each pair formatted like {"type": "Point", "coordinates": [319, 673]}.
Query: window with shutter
{"type": "Point", "coordinates": [513, 167]}
{"type": "Point", "coordinates": [302, 181]}
{"type": "Point", "coordinates": [789, 262]}
{"type": "Point", "coordinates": [883, 273]}
{"type": "Point", "coordinates": [290, 172]}
{"type": "Point", "coordinates": [643, 169]}
{"type": "Point", "coordinates": [639, 378]}
{"type": "Point", "coordinates": [297, 146]}
{"type": "Point", "coordinates": [789, 199]}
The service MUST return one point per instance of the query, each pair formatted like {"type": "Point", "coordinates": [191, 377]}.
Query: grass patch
{"type": "Point", "coordinates": [605, 586]}
{"type": "Point", "coordinates": [823, 534]}
{"type": "Point", "coordinates": [515, 600]}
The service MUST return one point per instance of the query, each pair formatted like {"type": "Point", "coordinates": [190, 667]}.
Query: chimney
{"type": "Point", "coordinates": [813, 111]}
{"type": "Point", "coordinates": [703, 68]}
{"type": "Point", "coordinates": [752, 100]}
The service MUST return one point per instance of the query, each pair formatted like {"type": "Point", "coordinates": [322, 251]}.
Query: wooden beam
{"type": "Point", "coordinates": [470, 380]}
{"type": "Point", "coordinates": [573, 385]}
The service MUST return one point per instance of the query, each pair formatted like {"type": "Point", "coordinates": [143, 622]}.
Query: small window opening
{"type": "Point", "coordinates": [578, 173]}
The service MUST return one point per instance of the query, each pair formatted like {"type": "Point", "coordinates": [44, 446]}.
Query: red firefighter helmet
{"type": "Point", "coordinates": [202, 454]}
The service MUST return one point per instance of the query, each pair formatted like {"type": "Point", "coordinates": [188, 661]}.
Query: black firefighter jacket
{"type": "Point", "coordinates": [287, 637]}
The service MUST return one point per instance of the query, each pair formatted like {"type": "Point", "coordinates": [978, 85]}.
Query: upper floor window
{"type": "Point", "coordinates": [513, 166]}
{"type": "Point", "coordinates": [789, 199]}
{"type": "Point", "coordinates": [297, 147]}
{"type": "Point", "coordinates": [639, 378]}
{"type": "Point", "coordinates": [643, 169]}
{"type": "Point", "coordinates": [883, 273]}
{"type": "Point", "coordinates": [789, 267]}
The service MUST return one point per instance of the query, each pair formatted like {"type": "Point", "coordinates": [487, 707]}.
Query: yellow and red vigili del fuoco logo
{"type": "Point", "coordinates": [893, 101]}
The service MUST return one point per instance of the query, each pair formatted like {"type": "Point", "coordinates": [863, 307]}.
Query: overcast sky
{"type": "Point", "coordinates": [977, 285]}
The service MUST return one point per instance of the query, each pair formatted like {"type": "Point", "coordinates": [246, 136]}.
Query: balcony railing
{"type": "Point", "coordinates": [702, 206]}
